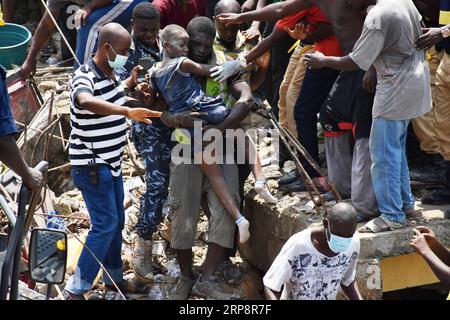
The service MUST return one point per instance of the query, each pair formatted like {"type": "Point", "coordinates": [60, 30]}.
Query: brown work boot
{"type": "Point", "coordinates": [183, 288]}
{"type": "Point", "coordinates": [142, 260]}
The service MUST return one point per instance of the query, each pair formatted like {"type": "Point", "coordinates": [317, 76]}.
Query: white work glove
{"type": "Point", "coordinates": [227, 69]}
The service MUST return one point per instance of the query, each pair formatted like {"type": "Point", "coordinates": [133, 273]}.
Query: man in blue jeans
{"type": "Point", "coordinates": [403, 93]}
{"type": "Point", "coordinates": [97, 140]}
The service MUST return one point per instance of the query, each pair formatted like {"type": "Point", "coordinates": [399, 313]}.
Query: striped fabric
{"type": "Point", "coordinates": [93, 134]}
{"type": "Point", "coordinates": [444, 17]}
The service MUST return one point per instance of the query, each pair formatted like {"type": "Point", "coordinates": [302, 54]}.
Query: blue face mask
{"type": "Point", "coordinates": [337, 244]}
{"type": "Point", "coordinates": [118, 62]}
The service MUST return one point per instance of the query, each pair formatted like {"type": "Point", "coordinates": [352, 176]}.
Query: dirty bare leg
{"type": "Point", "coordinates": [214, 257]}
{"type": "Point", "coordinates": [184, 257]}
{"type": "Point", "coordinates": [253, 160]}
{"type": "Point", "coordinates": [215, 176]}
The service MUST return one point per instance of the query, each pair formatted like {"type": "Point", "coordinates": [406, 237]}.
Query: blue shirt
{"type": "Point", "coordinates": [7, 124]}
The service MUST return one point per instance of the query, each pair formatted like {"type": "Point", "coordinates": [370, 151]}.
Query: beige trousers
{"type": "Point", "coordinates": [433, 128]}
{"type": "Point", "coordinates": [291, 86]}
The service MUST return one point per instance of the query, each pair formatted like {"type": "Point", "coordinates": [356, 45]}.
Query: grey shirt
{"type": "Point", "coordinates": [57, 5]}
{"type": "Point", "coordinates": [387, 42]}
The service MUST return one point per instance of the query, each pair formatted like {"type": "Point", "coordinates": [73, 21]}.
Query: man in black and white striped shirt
{"type": "Point", "coordinates": [98, 112]}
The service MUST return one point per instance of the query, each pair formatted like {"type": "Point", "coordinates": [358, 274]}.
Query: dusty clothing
{"type": "Point", "coordinates": [442, 112]}
{"type": "Point", "coordinates": [424, 125]}
{"type": "Point", "coordinates": [350, 173]}
{"type": "Point", "coordinates": [387, 42]}
{"type": "Point", "coordinates": [291, 86]}
{"type": "Point", "coordinates": [307, 274]}
{"type": "Point", "coordinates": [187, 184]}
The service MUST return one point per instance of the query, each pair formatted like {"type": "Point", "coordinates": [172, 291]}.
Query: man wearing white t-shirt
{"type": "Point", "coordinates": [314, 263]}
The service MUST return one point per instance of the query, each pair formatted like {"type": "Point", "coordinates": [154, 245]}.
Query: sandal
{"type": "Point", "coordinates": [379, 224]}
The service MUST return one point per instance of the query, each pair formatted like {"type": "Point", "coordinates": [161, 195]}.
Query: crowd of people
{"type": "Point", "coordinates": [369, 71]}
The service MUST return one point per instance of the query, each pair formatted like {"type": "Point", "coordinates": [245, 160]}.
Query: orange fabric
{"type": "Point", "coordinates": [329, 46]}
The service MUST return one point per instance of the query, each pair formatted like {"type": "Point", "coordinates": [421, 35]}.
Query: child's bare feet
{"type": "Point", "coordinates": [243, 226]}
{"type": "Point", "coordinates": [263, 191]}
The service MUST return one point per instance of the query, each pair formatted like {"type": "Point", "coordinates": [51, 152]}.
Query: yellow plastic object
{"type": "Point", "coordinates": [295, 45]}
{"type": "Point", "coordinates": [61, 245]}
{"type": "Point", "coordinates": [405, 271]}
{"type": "Point", "coordinates": [2, 22]}
{"type": "Point", "coordinates": [428, 55]}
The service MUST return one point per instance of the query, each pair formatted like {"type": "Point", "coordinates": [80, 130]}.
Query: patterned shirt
{"type": "Point", "coordinates": [307, 274]}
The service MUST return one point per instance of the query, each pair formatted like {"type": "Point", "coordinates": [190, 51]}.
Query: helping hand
{"type": "Point", "coordinates": [142, 114]}
{"type": "Point", "coordinates": [34, 180]}
{"type": "Point", "coordinates": [224, 71]}
{"type": "Point", "coordinates": [230, 18]}
{"type": "Point", "coordinates": [251, 33]}
{"type": "Point", "coordinates": [315, 60]}
{"type": "Point", "coordinates": [430, 37]}
{"type": "Point", "coordinates": [299, 32]}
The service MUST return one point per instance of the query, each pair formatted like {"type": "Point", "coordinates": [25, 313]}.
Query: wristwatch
{"type": "Point", "coordinates": [445, 32]}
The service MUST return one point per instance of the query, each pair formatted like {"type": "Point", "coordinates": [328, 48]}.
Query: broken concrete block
{"type": "Point", "coordinates": [46, 86]}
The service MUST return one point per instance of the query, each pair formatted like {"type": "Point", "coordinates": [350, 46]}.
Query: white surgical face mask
{"type": "Point", "coordinates": [337, 244]}
{"type": "Point", "coordinates": [118, 62]}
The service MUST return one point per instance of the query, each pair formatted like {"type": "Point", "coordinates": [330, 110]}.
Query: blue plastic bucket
{"type": "Point", "coordinates": [14, 41]}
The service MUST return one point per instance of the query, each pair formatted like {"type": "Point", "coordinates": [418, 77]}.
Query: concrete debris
{"type": "Point", "coordinates": [45, 86]}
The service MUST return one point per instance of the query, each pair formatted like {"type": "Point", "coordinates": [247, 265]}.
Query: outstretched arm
{"type": "Point", "coordinates": [317, 60]}
{"type": "Point", "coordinates": [264, 45]}
{"type": "Point", "coordinates": [101, 107]}
{"type": "Point", "coordinates": [42, 35]}
{"type": "Point", "coordinates": [199, 69]}
{"type": "Point", "coordinates": [272, 12]}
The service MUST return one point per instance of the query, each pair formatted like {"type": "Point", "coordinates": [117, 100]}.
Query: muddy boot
{"type": "Point", "coordinates": [142, 260]}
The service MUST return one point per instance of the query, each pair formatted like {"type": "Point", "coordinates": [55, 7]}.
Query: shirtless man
{"type": "Point", "coordinates": [349, 103]}
{"type": "Point", "coordinates": [345, 16]}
